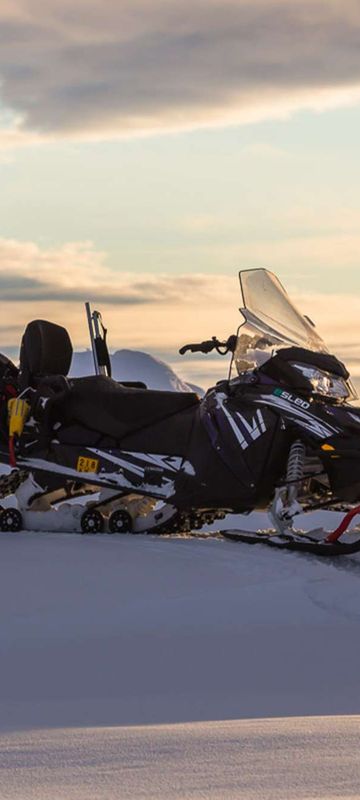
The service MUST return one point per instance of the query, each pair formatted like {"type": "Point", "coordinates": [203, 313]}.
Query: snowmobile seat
{"type": "Point", "coordinates": [110, 408]}
{"type": "Point", "coordinates": [46, 350]}
{"type": "Point", "coordinates": [97, 402]}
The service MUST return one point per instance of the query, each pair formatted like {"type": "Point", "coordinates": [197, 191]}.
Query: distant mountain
{"type": "Point", "coordinates": [133, 365]}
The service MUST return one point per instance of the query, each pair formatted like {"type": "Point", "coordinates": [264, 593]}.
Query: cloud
{"type": "Point", "coordinates": [94, 69]}
{"type": "Point", "coordinates": [142, 310]}
{"type": "Point", "coordinates": [76, 271]}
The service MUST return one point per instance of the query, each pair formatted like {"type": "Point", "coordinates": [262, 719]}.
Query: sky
{"type": "Point", "coordinates": [149, 149]}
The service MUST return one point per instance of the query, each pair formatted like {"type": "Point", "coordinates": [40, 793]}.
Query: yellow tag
{"type": "Point", "coordinates": [18, 413]}
{"type": "Point", "coordinates": [327, 447]}
{"type": "Point", "coordinates": [87, 464]}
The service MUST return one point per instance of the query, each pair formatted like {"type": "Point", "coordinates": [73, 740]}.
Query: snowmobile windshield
{"type": "Point", "coordinates": [271, 321]}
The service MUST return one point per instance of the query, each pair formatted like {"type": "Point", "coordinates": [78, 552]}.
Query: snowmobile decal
{"type": "Point", "coordinates": [162, 487]}
{"type": "Point", "coordinates": [354, 417]}
{"type": "Point", "coordinates": [43, 465]}
{"type": "Point", "coordinates": [298, 401]}
{"type": "Point", "coordinates": [239, 435]}
{"type": "Point", "coordinates": [254, 429]}
{"type": "Point", "coordinates": [173, 463]}
{"type": "Point", "coordinates": [138, 463]}
{"type": "Point", "coordinates": [147, 470]}
{"type": "Point", "coordinates": [121, 462]}
{"type": "Point", "coordinates": [302, 418]}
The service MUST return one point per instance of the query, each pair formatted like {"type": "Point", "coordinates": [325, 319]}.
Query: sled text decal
{"type": "Point", "coordinates": [85, 464]}
{"type": "Point", "coordinates": [291, 399]}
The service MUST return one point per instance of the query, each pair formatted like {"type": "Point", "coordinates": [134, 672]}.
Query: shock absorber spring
{"type": "Point", "coordinates": [295, 468]}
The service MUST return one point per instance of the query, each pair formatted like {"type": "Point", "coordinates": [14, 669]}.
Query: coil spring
{"type": "Point", "coordinates": [296, 460]}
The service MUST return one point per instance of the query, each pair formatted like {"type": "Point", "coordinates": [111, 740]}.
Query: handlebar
{"type": "Point", "coordinates": [211, 344]}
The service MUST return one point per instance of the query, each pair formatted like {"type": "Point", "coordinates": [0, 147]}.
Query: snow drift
{"type": "Point", "coordinates": [186, 639]}
{"type": "Point", "coordinates": [119, 630]}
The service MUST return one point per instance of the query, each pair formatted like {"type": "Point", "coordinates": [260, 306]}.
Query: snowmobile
{"type": "Point", "coordinates": [279, 435]}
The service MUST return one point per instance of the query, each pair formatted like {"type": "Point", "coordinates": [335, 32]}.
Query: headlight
{"type": "Point", "coordinates": [324, 383]}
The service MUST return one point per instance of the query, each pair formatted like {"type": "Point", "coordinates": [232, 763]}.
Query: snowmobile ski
{"type": "Point", "coordinates": [303, 543]}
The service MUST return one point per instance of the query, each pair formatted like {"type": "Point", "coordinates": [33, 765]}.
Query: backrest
{"type": "Point", "coordinates": [46, 350]}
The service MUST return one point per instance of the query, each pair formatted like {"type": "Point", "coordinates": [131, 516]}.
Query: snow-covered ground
{"type": "Point", "coordinates": [280, 759]}
{"type": "Point", "coordinates": [137, 667]}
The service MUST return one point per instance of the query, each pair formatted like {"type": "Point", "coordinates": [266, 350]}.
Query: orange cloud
{"type": "Point", "coordinates": [143, 310]}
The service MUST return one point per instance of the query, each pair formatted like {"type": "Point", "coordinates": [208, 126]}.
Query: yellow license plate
{"type": "Point", "coordinates": [87, 464]}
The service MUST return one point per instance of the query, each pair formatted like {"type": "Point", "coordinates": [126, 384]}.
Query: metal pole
{"type": "Point", "coordinates": [100, 352]}
{"type": "Point", "coordinates": [92, 338]}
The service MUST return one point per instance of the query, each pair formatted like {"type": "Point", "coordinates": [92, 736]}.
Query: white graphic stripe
{"type": "Point", "coordinates": [252, 427]}
{"type": "Point", "coordinates": [173, 463]}
{"type": "Point", "coordinates": [120, 461]}
{"type": "Point", "coordinates": [309, 421]}
{"type": "Point", "coordinates": [241, 439]}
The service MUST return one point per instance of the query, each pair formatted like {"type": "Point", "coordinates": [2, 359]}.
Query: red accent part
{"type": "Point", "coordinates": [12, 457]}
{"type": "Point", "coordinates": [335, 535]}
{"type": "Point", "coordinates": [10, 390]}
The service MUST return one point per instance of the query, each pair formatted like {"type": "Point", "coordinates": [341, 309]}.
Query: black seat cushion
{"type": "Point", "coordinates": [106, 406]}
{"type": "Point", "coordinates": [170, 435]}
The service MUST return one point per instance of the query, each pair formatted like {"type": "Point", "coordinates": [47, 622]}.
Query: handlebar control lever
{"type": "Point", "coordinates": [211, 344]}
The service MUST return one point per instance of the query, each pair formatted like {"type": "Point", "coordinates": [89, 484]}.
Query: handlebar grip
{"type": "Point", "coordinates": [194, 348]}
{"type": "Point", "coordinates": [201, 347]}
{"type": "Point", "coordinates": [211, 344]}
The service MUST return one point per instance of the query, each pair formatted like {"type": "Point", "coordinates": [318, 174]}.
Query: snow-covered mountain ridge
{"type": "Point", "coordinates": [134, 365]}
